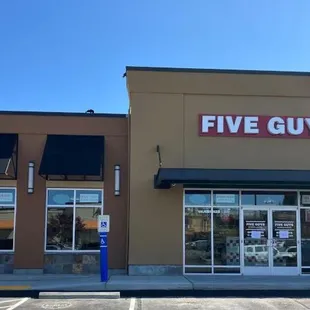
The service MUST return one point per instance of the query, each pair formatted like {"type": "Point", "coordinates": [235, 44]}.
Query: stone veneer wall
{"type": "Point", "coordinates": [6, 263]}
{"type": "Point", "coordinates": [67, 263]}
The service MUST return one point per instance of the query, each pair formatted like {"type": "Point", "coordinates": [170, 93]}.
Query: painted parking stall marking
{"type": "Point", "coordinates": [10, 304]}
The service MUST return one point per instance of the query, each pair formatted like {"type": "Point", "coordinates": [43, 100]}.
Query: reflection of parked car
{"type": "Point", "coordinates": [259, 253]}
{"type": "Point", "coordinates": [55, 247]}
{"type": "Point", "coordinates": [200, 245]}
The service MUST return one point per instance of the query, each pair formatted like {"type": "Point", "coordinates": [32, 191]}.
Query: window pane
{"type": "Point", "coordinates": [269, 198]}
{"type": "Point", "coordinates": [305, 236]}
{"type": "Point", "coordinates": [7, 196]}
{"type": "Point", "coordinates": [6, 228]}
{"type": "Point", "coordinates": [226, 199]}
{"type": "Point", "coordinates": [305, 199]}
{"type": "Point", "coordinates": [60, 197]}
{"type": "Point", "coordinates": [86, 235]}
{"type": "Point", "coordinates": [197, 198]}
{"type": "Point", "coordinates": [226, 236]}
{"type": "Point", "coordinates": [89, 197]}
{"type": "Point", "coordinates": [197, 236]}
{"type": "Point", "coordinates": [59, 228]}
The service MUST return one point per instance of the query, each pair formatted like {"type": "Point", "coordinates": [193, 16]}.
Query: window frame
{"type": "Point", "coordinates": [73, 206]}
{"type": "Point", "coordinates": [14, 207]}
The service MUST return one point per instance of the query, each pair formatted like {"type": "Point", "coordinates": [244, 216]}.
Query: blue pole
{"type": "Point", "coordinates": [104, 257]}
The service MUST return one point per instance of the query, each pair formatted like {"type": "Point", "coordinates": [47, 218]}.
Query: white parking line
{"type": "Point", "coordinates": [18, 304]}
{"type": "Point", "coordinates": [9, 300]}
{"type": "Point", "coordinates": [132, 303]}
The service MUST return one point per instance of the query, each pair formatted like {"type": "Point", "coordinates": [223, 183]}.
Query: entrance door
{"type": "Point", "coordinates": [269, 241]}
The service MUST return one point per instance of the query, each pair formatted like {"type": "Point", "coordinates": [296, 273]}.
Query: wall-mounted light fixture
{"type": "Point", "coordinates": [30, 177]}
{"type": "Point", "coordinates": [117, 172]}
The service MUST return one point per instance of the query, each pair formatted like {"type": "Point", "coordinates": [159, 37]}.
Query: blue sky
{"type": "Point", "coordinates": [70, 55]}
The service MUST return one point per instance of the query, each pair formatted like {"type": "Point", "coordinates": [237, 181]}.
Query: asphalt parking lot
{"type": "Point", "coordinates": [157, 303]}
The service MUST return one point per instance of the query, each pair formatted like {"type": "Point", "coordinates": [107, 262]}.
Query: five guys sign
{"type": "Point", "coordinates": [254, 126]}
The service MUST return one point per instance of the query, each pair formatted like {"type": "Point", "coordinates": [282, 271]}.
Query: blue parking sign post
{"type": "Point", "coordinates": [104, 257]}
{"type": "Point", "coordinates": [103, 229]}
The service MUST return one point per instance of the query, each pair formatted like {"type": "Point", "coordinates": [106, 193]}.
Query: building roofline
{"type": "Point", "coordinates": [221, 71]}
{"type": "Point", "coordinates": [75, 114]}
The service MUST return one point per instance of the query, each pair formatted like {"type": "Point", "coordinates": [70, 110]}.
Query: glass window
{"type": "Point", "coordinates": [59, 228]}
{"type": "Point", "coordinates": [226, 199]}
{"type": "Point", "coordinates": [72, 219]}
{"type": "Point", "coordinates": [269, 198]}
{"type": "Point", "coordinates": [86, 197]}
{"type": "Point", "coordinates": [305, 199]}
{"type": "Point", "coordinates": [305, 236]}
{"type": "Point", "coordinates": [197, 236]}
{"type": "Point", "coordinates": [226, 236]}
{"type": "Point", "coordinates": [197, 198]}
{"type": "Point", "coordinates": [7, 196]}
{"type": "Point", "coordinates": [86, 235]}
{"type": "Point", "coordinates": [7, 215]}
{"type": "Point", "coordinates": [56, 197]}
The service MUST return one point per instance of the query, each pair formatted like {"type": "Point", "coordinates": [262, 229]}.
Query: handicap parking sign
{"type": "Point", "coordinates": [103, 223]}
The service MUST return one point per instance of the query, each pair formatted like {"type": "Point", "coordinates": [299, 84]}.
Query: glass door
{"type": "Point", "coordinates": [256, 249]}
{"type": "Point", "coordinates": [284, 242]}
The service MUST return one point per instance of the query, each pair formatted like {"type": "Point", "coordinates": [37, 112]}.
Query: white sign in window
{"type": "Point", "coordinates": [225, 198]}
{"type": "Point", "coordinates": [89, 198]}
{"type": "Point", "coordinates": [305, 199]}
{"type": "Point", "coordinates": [6, 197]}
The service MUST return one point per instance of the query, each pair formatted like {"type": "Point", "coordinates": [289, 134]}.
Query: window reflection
{"type": "Point", "coordinates": [226, 236]}
{"type": "Point", "coordinates": [86, 235]}
{"type": "Point", "coordinates": [197, 236]}
{"type": "Point", "coordinates": [60, 197]}
{"type": "Point", "coordinates": [269, 198]}
{"type": "Point", "coordinates": [7, 196]}
{"type": "Point", "coordinates": [226, 199]}
{"type": "Point", "coordinates": [197, 198]}
{"type": "Point", "coordinates": [6, 228]}
{"type": "Point", "coordinates": [87, 197]}
{"type": "Point", "coordinates": [59, 228]}
{"type": "Point", "coordinates": [305, 236]}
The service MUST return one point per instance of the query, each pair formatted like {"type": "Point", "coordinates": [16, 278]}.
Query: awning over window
{"type": "Point", "coordinates": [8, 156]}
{"type": "Point", "coordinates": [232, 178]}
{"type": "Point", "coordinates": [68, 157]}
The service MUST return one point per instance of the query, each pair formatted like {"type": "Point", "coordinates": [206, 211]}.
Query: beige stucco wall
{"type": "Point", "coordinates": [164, 111]}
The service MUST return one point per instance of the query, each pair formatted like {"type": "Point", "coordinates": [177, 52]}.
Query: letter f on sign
{"type": "Point", "coordinates": [208, 121]}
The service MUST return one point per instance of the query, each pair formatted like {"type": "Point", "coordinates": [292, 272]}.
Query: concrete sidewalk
{"type": "Point", "coordinates": [131, 283]}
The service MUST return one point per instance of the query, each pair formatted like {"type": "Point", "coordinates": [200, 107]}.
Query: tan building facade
{"type": "Point", "coordinates": [57, 175]}
{"type": "Point", "coordinates": [214, 178]}
{"type": "Point", "coordinates": [219, 171]}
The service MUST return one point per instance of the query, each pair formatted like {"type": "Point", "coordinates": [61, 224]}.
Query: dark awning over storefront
{"type": "Point", "coordinates": [68, 157]}
{"type": "Point", "coordinates": [8, 156]}
{"type": "Point", "coordinates": [232, 178]}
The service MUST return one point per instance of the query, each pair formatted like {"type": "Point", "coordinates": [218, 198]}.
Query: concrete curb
{"type": "Point", "coordinates": [79, 295]}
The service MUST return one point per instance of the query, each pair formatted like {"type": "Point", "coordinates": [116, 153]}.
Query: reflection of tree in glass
{"type": "Point", "coordinates": [61, 226]}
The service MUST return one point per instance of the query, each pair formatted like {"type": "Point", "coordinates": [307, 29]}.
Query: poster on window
{"type": "Point", "coordinates": [89, 198]}
{"type": "Point", "coordinates": [305, 199]}
{"type": "Point", "coordinates": [6, 197]}
{"type": "Point", "coordinates": [225, 199]}
{"type": "Point", "coordinates": [255, 229]}
{"type": "Point", "coordinates": [284, 229]}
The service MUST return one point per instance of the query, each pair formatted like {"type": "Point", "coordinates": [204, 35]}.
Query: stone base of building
{"type": "Point", "coordinates": [23, 271]}
{"type": "Point", "coordinates": [66, 263]}
{"type": "Point", "coordinates": [155, 270]}
{"type": "Point", "coordinates": [6, 263]}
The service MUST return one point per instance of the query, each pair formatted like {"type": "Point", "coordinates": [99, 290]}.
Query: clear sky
{"type": "Point", "coordinates": [70, 55]}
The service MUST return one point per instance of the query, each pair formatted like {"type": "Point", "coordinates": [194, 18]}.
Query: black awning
{"type": "Point", "coordinates": [69, 157]}
{"type": "Point", "coordinates": [232, 178]}
{"type": "Point", "coordinates": [8, 155]}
